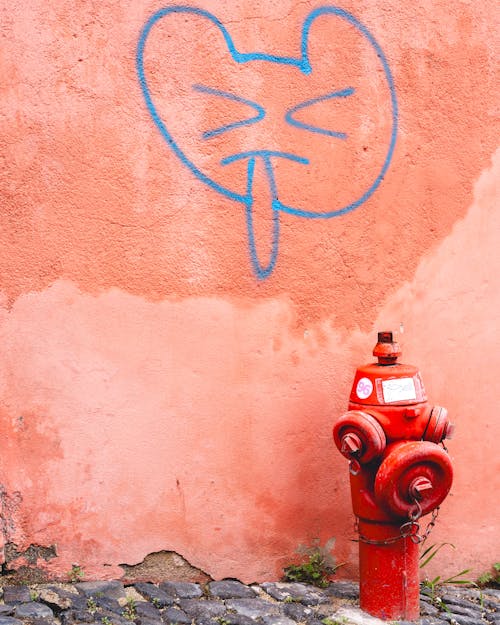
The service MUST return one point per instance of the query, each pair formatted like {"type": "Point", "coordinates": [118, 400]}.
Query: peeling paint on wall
{"type": "Point", "coordinates": [163, 565]}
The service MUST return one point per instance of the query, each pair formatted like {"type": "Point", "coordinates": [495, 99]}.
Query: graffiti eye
{"type": "Point", "coordinates": [234, 98]}
{"type": "Point", "coordinates": [343, 93]}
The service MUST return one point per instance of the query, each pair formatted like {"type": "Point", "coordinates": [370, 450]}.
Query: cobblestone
{"type": "Point", "coordinates": [253, 608]}
{"type": "Point", "coordinates": [175, 616]}
{"type": "Point", "coordinates": [226, 602]}
{"type": "Point", "coordinates": [16, 594]}
{"type": "Point", "coordinates": [182, 590]}
{"type": "Point", "coordinates": [157, 596]}
{"type": "Point", "coordinates": [230, 589]}
{"type": "Point", "coordinates": [111, 590]}
{"type": "Point", "coordinates": [32, 610]}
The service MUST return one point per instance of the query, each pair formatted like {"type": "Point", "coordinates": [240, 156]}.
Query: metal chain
{"type": "Point", "coordinates": [410, 530]}
{"type": "Point", "coordinates": [430, 525]}
{"type": "Point", "coordinates": [354, 466]}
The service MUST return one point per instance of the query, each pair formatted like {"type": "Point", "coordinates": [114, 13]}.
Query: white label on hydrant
{"type": "Point", "coordinates": [399, 389]}
{"type": "Point", "coordinates": [364, 388]}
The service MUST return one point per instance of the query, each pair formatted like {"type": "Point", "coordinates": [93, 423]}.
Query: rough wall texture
{"type": "Point", "coordinates": [207, 212]}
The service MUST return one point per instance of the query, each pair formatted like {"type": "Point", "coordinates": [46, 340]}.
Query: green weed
{"type": "Point", "coordinates": [129, 611]}
{"type": "Point", "coordinates": [313, 571]}
{"type": "Point", "coordinates": [490, 578]}
{"type": "Point", "coordinates": [431, 587]}
{"type": "Point", "coordinates": [76, 574]}
{"type": "Point", "coordinates": [91, 605]}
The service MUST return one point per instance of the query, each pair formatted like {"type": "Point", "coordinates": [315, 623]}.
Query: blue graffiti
{"type": "Point", "coordinates": [322, 131]}
{"type": "Point", "coordinates": [234, 98]}
{"type": "Point", "coordinates": [266, 155]}
{"type": "Point", "coordinates": [263, 270]}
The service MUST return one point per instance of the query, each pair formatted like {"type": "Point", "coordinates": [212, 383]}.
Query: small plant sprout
{"type": "Point", "coordinates": [491, 577]}
{"type": "Point", "coordinates": [313, 571]}
{"type": "Point", "coordinates": [91, 605]}
{"type": "Point", "coordinates": [431, 587]}
{"type": "Point", "coordinates": [76, 574]}
{"type": "Point", "coordinates": [129, 611]}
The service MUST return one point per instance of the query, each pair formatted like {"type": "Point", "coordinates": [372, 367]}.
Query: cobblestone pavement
{"type": "Point", "coordinates": [227, 602]}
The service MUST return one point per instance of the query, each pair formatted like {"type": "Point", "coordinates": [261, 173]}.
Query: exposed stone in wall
{"type": "Point", "coordinates": [163, 565]}
{"type": "Point", "coordinates": [26, 566]}
{"type": "Point", "coordinates": [32, 554]}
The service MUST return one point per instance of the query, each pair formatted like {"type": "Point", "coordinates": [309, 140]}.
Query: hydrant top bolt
{"type": "Point", "coordinates": [419, 486]}
{"type": "Point", "coordinates": [386, 350]}
{"type": "Point", "coordinates": [384, 337]}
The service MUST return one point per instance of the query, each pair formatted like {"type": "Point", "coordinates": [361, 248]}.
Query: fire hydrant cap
{"type": "Point", "coordinates": [413, 471]}
{"type": "Point", "coordinates": [386, 350]}
{"type": "Point", "coordinates": [359, 435]}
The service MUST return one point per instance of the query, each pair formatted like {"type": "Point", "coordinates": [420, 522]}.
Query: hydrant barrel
{"type": "Point", "coordinates": [389, 588]}
{"type": "Point", "coordinates": [398, 474]}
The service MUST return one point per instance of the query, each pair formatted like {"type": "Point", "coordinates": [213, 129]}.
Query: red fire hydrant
{"type": "Point", "coordinates": [398, 473]}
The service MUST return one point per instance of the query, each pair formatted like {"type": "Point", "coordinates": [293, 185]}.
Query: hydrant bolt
{"type": "Point", "coordinates": [419, 486]}
{"type": "Point", "coordinates": [351, 444]}
{"type": "Point", "coordinates": [412, 413]}
{"type": "Point", "coordinates": [450, 430]}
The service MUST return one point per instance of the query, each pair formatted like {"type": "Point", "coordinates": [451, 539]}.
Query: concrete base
{"type": "Point", "coordinates": [356, 616]}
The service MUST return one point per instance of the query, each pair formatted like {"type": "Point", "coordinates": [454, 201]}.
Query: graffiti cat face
{"type": "Point", "coordinates": [317, 130]}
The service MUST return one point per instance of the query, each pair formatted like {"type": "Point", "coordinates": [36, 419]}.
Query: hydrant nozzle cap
{"type": "Point", "coordinates": [386, 350]}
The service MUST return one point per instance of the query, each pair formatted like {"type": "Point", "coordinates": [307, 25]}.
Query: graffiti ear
{"type": "Point", "coordinates": [191, 76]}
{"type": "Point", "coordinates": [354, 105]}
{"type": "Point", "coordinates": [338, 49]}
{"type": "Point", "coordinates": [185, 56]}
{"type": "Point", "coordinates": [340, 52]}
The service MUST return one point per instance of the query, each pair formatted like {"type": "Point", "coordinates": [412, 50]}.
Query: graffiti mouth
{"type": "Point", "coordinates": [266, 155]}
{"type": "Point", "coordinates": [262, 271]}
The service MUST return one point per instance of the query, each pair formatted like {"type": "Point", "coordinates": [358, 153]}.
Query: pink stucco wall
{"type": "Point", "coordinates": [168, 378]}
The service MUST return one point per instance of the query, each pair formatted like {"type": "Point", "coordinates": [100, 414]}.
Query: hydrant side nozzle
{"type": "Point", "coordinates": [422, 464]}
{"type": "Point", "coordinates": [359, 435]}
{"type": "Point", "coordinates": [438, 427]}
